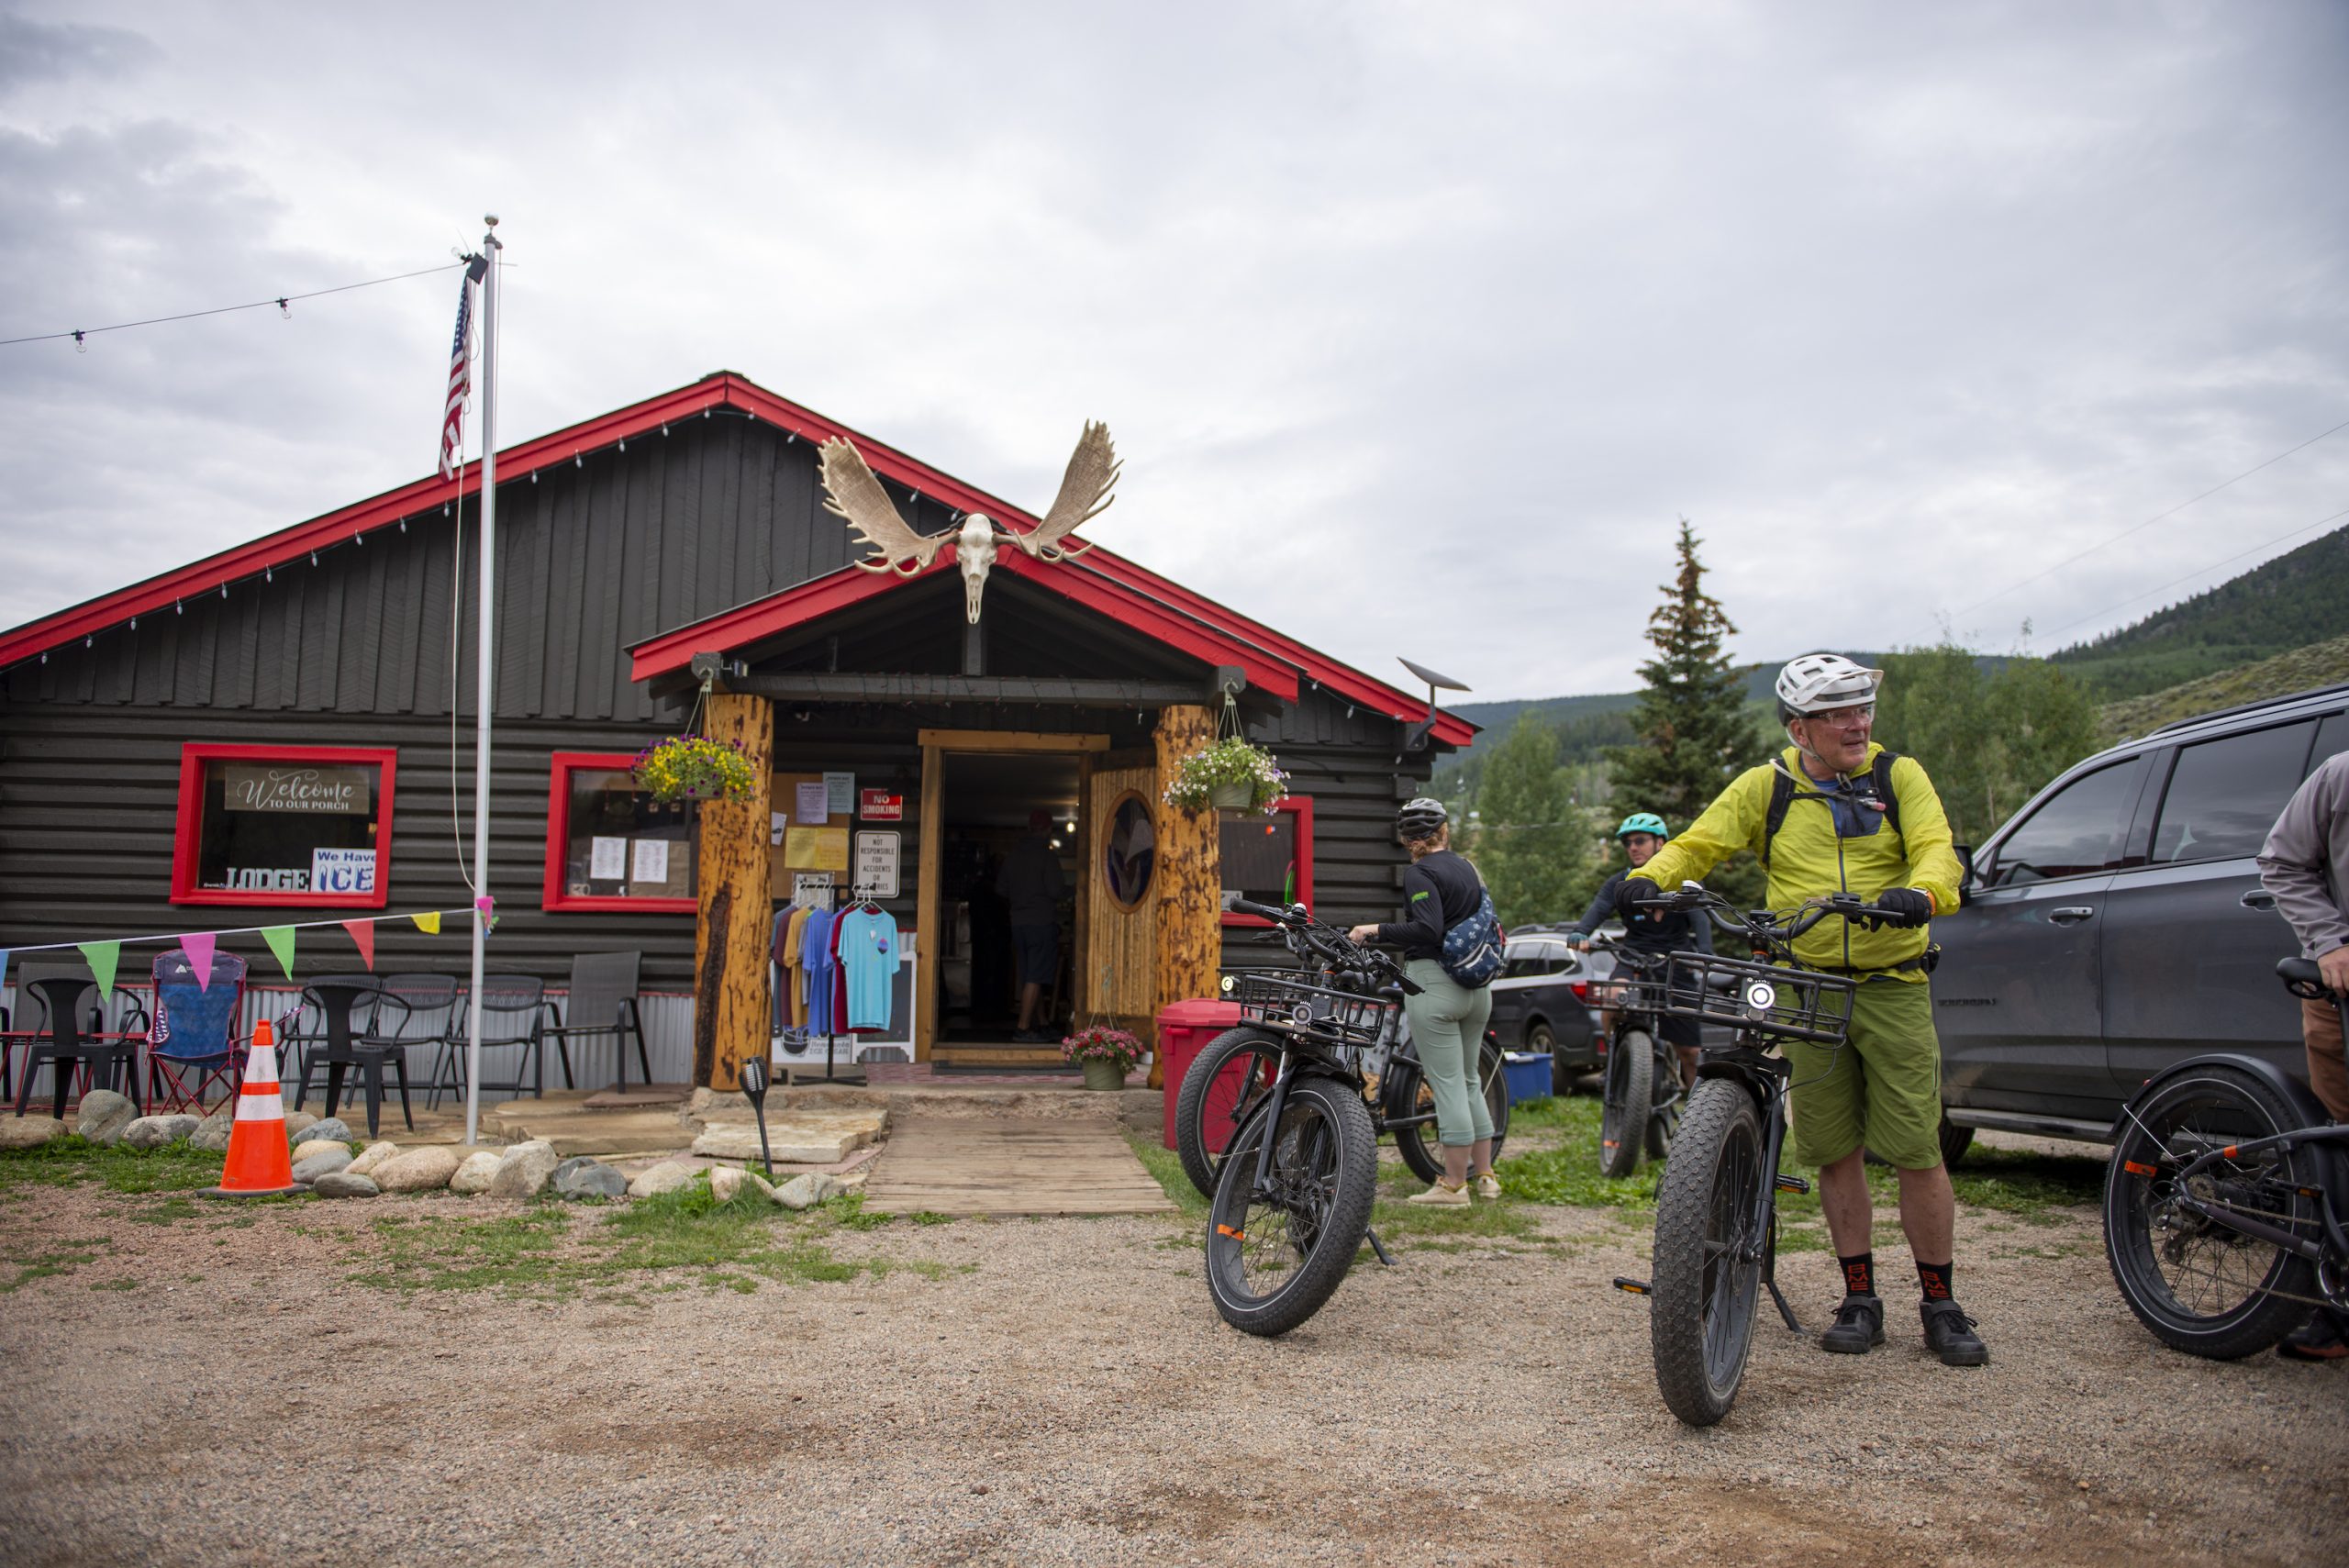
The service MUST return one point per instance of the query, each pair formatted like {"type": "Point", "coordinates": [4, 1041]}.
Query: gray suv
{"type": "Point", "coordinates": [2116, 924]}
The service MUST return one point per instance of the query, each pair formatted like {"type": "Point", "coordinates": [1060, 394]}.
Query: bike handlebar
{"type": "Point", "coordinates": [1763, 926]}
{"type": "Point", "coordinates": [1341, 951]}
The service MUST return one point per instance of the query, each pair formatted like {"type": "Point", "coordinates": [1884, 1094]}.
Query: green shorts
{"type": "Point", "coordinates": [1882, 1089]}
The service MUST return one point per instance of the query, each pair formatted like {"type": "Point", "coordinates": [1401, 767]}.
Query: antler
{"type": "Point", "coordinates": [852, 493]}
{"type": "Point", "coordinates": [1093, 470]}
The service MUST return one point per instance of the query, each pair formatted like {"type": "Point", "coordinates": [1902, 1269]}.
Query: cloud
{"type": "Point", "coordinates": [39, 52]}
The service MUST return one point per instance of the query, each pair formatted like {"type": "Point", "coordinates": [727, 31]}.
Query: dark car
{"type": "Point", "coordinates": [1540, 1002]}
{"type": "Point", "coordinates": [2117, 924]}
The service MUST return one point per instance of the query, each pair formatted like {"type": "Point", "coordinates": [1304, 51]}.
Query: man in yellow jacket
{"type": "Point", "coordinates": [1836, 813]}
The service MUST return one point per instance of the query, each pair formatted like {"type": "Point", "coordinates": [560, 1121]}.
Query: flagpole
{"type": "Point", "coordinates": [487, 579]}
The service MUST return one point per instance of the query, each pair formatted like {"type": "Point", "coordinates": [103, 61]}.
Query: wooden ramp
{"type": "Point", "coordinates": [1010, 1165]}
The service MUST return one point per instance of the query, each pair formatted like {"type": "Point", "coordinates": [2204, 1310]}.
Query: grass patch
{"type": "Point", "coordinates": [1566, 1174]}
{"type": "Point", "coordinates": [1165, 1168]}
{"type": "Point", "coordinates": [171, 1211]}
{"type": "Point", "coordinates": [71, 1255]}
{"type": "Point", "coordinates": [72, 1159]}
{"type": "Point", "coordinates": [2012, 1182]}
{"type": "Point", "coordinates": [931, 1216]}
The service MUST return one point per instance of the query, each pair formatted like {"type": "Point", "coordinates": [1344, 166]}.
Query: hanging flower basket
{"type": "Point", "coordinates": [1106, 1055]}
{"type": "Point", "coordinates": [1232, 774]}
{"type": "Point", "coordinates": [694, 767]}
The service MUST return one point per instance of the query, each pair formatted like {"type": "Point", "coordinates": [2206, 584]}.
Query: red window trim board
{"type": "Point", "coordinates": [553, 898]}
{"type": "Point", "coordinates": [187, 837]}
{"type": "Point", "coordinates": [1301, 807]}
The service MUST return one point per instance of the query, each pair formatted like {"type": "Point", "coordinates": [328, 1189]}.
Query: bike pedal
{"type": "Point", "coordinates": [1792, 1183]}
{"type": "Point", "coordinates": [1630, 1286]}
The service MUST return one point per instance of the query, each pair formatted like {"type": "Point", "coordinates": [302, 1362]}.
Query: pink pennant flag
{"type": "Point", "coordinates": [363, 933]}
{"type": "Point", "coordinates": [198, 945]}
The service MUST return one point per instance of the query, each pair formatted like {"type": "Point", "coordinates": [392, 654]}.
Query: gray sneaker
{"type": "Point", "coordinates": [1858, 1328]}
{"type": "Point", "coordinates": [1949, 1334]}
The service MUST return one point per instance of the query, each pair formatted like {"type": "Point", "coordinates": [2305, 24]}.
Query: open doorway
{"type": "Point", "coordinates": [1008, 868]}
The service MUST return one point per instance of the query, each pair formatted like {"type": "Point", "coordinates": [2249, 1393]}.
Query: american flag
{"type": "Point", "coordinates": [461, 381]}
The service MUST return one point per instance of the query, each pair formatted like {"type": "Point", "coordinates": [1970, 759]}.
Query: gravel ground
{"type": "Point", "coordinates": [218, 1390]}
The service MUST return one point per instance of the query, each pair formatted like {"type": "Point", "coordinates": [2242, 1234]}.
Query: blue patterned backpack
{"type": "Point", "coordinates": [1472, 950]}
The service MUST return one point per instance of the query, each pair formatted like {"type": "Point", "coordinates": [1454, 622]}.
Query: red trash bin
{"type": "Point", "coordinates": [1184, 1030]}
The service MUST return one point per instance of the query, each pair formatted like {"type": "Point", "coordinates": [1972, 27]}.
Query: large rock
{"type": "Point", "coordinates": [330, 1159]}
{"type": "Point", "coordinates": [298, 1125]}
{"type": "Point", "coordinates": [309, 1147]}
{"type": "Point", "coordinates": [342, 1183]}
{"type": "Point", "coordinates": [28, 1131]}
{"type": "Point", "coordinates": [212, 1134]}
{"type": "Point", "coordinates": [332, 1128]}
{"type": "Point", "coordinates": [666, 1177]}
{"type": "Point", "coordinates": [586, 1178]}
{"type": "Point", "coordinates": [425, 1170]}
{"type": "Point", "coordinates": [524, 1170]}
{"type": "Point", "coordinates": [371, 1159]}
{"type": "Point", "coordinates": [802, 1190]}
{"type": "Point", "coordinates": [155, 1131]}
{"type": "Point", "coordinates": [474, 1175]}
{"type": "Point", "coordinates": [103, 1117]}
{"type": "Point", "coordinates": [726, 1183]}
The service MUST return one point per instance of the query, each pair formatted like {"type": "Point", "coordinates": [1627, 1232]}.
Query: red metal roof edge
{"type": "Point", "coordinates": [720, 389]}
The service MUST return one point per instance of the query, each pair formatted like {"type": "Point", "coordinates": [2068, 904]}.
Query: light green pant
{"type": "Point", "coordinates": [1882, 1088]}
{"type": "Point", "coordinates": [1448, 1030]}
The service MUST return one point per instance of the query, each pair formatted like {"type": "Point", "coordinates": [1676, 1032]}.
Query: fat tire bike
{"type": "Point", "coordinates": [2225, 1201]}
{"type": "Point", "coordinates": [1717, 1207]}
{"type": "Point", "coordinates": [1232, 1075]}
{"type": "Point", "coordinates": [1293, 1194]}
{"type": "Point", "coordinates": [1642, 1097]}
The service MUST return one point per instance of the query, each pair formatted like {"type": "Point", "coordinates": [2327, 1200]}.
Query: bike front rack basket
{"type": "Point", "coordinates": [1795, 1004]}
{"type": "Point", "coordinates": [1288, 1000]}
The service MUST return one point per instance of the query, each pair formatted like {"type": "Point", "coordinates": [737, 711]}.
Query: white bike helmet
{"type": "Point", "coordinates": [1817, 681]}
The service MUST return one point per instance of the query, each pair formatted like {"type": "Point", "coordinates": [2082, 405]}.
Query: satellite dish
{"type": "Point", "coordinates": [1415, 738]}
{"type": "Point", "coordinates": [1434, 681]}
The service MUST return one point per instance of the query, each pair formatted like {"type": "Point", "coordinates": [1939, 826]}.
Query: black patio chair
{"type": "Point", "coordinates": [513, 1013]}
{"type": "Point", "coordinates": [340, 1005]}
{"type": "Point", "coordinates": [68, 1039]}
{"type": "Point", "coordinates": [422, 1011]}
{"type": "Point", "coordinates": [303, 1033]}
{"type": "Point", "coordinates": [602, 1004]}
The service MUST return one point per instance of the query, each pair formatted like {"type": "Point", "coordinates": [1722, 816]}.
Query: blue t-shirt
{"type": "Point", "coordinates": [868, 961]}
{"type": "Point", "coordinates": [816, 969]}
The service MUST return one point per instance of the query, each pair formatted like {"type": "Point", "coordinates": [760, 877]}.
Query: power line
{"type": "Point", "coordinates": [81, 334]}
{"type": "Point", "coordinates": [2197, 571]}
{"type": "Point", "coordinates": [2148, 523]}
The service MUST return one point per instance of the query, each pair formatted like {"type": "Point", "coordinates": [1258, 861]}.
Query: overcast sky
{"type": "Point", "coordinates": [1418, 325]}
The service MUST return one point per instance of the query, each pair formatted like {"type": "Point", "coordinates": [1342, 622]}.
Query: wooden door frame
{"type": "Point", "coordinates": [937, 745]}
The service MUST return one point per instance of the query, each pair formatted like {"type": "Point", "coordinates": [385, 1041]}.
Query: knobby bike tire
{"type": "Point", "coordinates": [1214, 1089]}
{"type": "Point", "coordinates": [1667, 1100]}
{"type": "Point", "coordinates": [1271, 1265]}
{"type": "Point", "coordinates": [1410, 1095]}
{"type": "Point", "coordinates": [2199, 1286]}
{"type": "Point", "coordinates": [1623, 1113]}
{"type": "Point", "coordinates": [1703, 1300]}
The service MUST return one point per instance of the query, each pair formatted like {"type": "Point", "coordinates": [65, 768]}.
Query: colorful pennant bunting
{"type": "Point", "coordinates": [103, 959]}
{"type": "Point", "coordinates": [280, 942]}
{"type": "Point", "coordinates": [428, 922]}
{"type": "Point", "coordinates": [198, 946]}
{"type": "Point", "coordinates": [363, 933]}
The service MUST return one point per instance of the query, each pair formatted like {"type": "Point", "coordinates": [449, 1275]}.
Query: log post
{"type": "Point", "coordinates": [731, 1018]}
{"type": "Point", "coordinates": [1189, 875]}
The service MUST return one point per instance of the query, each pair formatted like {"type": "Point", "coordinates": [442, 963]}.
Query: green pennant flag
{"type": "Point", "coordinates": [280, 942]}
{"type": "Point", "coordinates": [103, 959]}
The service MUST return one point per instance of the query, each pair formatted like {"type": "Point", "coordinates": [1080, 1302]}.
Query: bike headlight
{"type": "Point", "coordinates": [1228, 982]}
{"type": "Point", "coordinates": [1760, 998]}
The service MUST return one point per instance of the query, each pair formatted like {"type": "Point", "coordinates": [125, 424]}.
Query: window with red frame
{"type": "Point", "coordinates": [1268, 860]}
{"type": "Point", "coordinates": [307, 825]}
{"type": "Point", "coordinates": [609, 844]}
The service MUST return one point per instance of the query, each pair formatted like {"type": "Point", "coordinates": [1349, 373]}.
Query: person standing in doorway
{"type": "Point", "coordinates": [1031, 884]}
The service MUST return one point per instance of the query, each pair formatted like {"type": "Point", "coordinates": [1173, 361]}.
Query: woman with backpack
{"type": "Point", "coordinates": [1452, 950]}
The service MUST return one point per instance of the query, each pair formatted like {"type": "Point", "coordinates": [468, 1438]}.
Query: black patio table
{"type": "Point", "coordinates": [336, 1000]}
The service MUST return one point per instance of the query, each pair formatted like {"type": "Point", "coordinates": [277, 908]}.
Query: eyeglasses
{"type": "Point", "coordinates": [1845, 717]}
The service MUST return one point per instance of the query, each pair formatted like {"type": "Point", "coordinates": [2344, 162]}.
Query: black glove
{"type": "Point", "coordinates": [1631, 891]}
{"type": "Point", "coordinates": [1904, 906]}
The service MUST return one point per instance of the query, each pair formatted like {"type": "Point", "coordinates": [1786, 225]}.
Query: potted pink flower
{"type": "Point", "coordinates": [1106, 1055]}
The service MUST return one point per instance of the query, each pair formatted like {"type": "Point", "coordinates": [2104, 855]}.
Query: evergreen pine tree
{"type": "Point", "coordinates": [1695, 734]}
{"type": "Point", "coordinates": [1532, 844]}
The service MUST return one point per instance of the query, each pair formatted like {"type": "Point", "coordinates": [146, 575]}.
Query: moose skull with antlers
{"type": "Point", "coordinates": [853, 493]}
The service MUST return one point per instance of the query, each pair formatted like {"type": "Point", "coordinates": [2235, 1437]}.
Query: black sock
{"type": "Point", "coordinates": [1859, 1273]}
{"type": "Point", "coordinates": [1934, 1280]}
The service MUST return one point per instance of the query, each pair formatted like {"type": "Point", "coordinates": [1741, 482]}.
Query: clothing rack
{"type": "Point", "coordinates": [829, 896]}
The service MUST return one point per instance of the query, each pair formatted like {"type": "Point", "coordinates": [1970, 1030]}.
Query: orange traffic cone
{"type": "Point", "coordinates": [259, 1164]}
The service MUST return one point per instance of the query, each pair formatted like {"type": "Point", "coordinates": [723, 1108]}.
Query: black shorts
{"type": "Point", "coordinates": [1038, 949]}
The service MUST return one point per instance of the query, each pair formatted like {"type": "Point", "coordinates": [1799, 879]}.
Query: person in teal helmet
{"type": "Point", "coordinates": [1655, 931]}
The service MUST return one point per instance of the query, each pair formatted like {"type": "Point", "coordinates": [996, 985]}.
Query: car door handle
{"type": "Point", "coordinates": [2257, 899]}
{"type": "Point", "coordinates": [2070, 913]}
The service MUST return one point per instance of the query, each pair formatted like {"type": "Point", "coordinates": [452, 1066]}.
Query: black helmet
{"type": "Point", "coordinates": [1420, 819]}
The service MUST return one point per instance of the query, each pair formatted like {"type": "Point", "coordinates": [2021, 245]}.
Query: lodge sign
{"type": "Point", "coordinates": [303, 790]}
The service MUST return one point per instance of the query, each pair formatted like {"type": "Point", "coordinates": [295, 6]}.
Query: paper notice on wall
{"type": "Point", "coordinates": [777, 822]}
{"type": "Point", "coordinates": [607, 859]}
{"type": "Point", "coordinates": [839, 794]}
{"type": "Point", "coordinates": [812, 803]}
{"type": "Point", "coordinates": [342, 870]}
{"type": "Point", "coordinates": [817, 849]}
{"type": "Point", "coordinates": [652, 861]}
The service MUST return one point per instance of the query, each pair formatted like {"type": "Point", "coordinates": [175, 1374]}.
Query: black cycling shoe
{"type": "Point", "coordinates": [1949, 1334]}
{"type": "Point", "coordinates": [1858, 1329]}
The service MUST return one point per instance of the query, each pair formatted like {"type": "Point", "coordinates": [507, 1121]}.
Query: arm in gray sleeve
{"type": "Point", "coordinates": [2307, 844]}
{"type": "Point", "coordinates": [1601, 906]}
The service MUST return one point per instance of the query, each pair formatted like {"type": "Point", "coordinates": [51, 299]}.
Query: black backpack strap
{"type": "Point", "coordinates": [1881, 779]}
{"type": "Point", "coordinates": [1782, 796]}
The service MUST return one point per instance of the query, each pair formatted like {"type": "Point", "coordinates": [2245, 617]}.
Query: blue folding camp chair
{"type": "Point", "coordinates": [194, 1031]}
